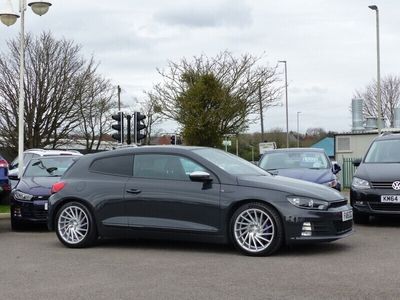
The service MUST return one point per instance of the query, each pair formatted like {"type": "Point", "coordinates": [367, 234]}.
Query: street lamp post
{"type": "Point", "coordinates": [298, 131]}
{"type": "Point", "coordinates": [378, 68]}
{"type": "Point", "coordinates": [287, 103]}
{"type": "Point", "coordinates": [9, 18]}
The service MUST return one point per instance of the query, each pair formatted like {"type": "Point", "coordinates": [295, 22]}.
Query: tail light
{"type": "Point", "coordinates": [58, 186]}
{"type": "Point", "coordinates": [3, 163]}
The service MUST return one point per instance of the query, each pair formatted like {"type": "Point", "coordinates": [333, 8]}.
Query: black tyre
{"type": "Point", "coordinates": [360, 218]}
{"type": "Point", "coordinates": [75, 226]}
{"type": "Point", "coordinates": [16, 224]}
{"type": "Point", "coordinates": [256, 229]}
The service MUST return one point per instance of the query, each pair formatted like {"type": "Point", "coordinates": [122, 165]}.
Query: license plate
{"type": "Point", "coordinates": [347, 215]}
{"type": "Point", "coordinates": [46, 206]}
{"type": "Point", "coordinates": [390, 198]}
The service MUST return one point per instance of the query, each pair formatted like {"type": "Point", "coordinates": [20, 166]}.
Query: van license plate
{"type": "Point", "coordinates": [390, 199]}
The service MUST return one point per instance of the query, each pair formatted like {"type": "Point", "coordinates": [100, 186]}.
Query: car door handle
{"type": "Point", "coordinates": [133, 191]}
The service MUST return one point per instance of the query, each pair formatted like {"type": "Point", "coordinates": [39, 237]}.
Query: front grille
{"type": "Point", "coordinates": [320, 228]}
{"type": "Point", "coordinates": [338, 203]}
{"type": "Point", "coordinates": [342, 227]}
{"type": "Point", "coordinates": [382, 185]}
{"type": "Point", "coordinates": [384, 206]}
{"type": "Point", "coordinates": [331, 227]}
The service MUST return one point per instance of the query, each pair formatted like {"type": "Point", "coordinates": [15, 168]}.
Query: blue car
{"type": "Point", "coordinates": [309, 164]}
{"type": "Point", "coordinates": [29, 198]}
{"type": "Point", "coordinates": [5, 186]}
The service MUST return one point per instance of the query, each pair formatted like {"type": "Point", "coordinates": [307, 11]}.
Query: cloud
{"type": "Point", "coordinates": [232, 13]}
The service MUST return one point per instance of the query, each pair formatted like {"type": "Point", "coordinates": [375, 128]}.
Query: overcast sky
{"type": "Point", "coordinates": [330, 46]}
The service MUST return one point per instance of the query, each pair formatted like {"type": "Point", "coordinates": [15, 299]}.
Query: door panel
{"type": "Point", "coordinates": [176, 203]}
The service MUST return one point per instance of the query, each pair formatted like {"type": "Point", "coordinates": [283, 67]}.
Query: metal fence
{"type": "Point", "coordinates": [348, 171]}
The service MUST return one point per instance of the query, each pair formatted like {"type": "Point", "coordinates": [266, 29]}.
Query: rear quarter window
{"type": "Point", "coordinates": [114, 165]}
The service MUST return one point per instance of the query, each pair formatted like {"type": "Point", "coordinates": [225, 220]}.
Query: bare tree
{"type": "Point", "coordinates": [390, 98]}
{"type": "Point", "coordinates": [94, 108]}
{"type": "Point", "coordinates": [56, 79]}
{"type": "Point", "coordinates": [152, 110]}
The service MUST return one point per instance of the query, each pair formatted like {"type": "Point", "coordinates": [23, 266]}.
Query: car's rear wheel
{"type": "Point", "coordinates": [75, 226]}
{"type": "Point", "coordinates": [256, 229]}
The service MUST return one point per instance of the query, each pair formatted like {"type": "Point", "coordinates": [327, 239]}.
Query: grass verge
{"type": "Point", "coordinates": [4, 208]}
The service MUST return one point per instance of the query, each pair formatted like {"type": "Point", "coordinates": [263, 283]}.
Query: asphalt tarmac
{"type": "Point", "coordinates": [35, 265]}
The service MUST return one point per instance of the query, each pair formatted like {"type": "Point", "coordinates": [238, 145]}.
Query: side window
{"type": "Point", "coordinates": [161, 166]}
{"type": "Point", "coordinates": [115, 165]}
{"type": "Point", "coordinates": [190, 166]}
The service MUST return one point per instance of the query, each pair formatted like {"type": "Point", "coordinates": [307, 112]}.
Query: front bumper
{"type": "Point", "coordinates": [368, 201]}
{"type": "Point", "coordinates": [29, 211]}
{"type": "Point", "coordinates": [317, 226]}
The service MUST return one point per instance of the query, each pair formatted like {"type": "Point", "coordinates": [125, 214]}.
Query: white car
{"type": "Point", "coordinates": [32, 153]}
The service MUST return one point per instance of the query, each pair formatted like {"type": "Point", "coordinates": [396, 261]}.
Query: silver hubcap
{"type": "Point", "coordinates": [73, 224]}
{"type": "Point", "coordinates": [254, 230]}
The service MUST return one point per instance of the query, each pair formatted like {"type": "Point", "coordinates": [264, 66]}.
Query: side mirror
{"type": "Point", "coordinates": [200, 176]}
{"type": "Point", "coordinates": [13, 176]}
{"type": "Point", "coordinates": [335, 167]}
{"type": "Point", "coordinates": [357, 162]}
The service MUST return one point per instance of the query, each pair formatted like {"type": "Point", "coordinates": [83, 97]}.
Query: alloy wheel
{"type": "Point", "coordinates": [254, 230]}
{"type": "Point", "coordinates": [73, 224]}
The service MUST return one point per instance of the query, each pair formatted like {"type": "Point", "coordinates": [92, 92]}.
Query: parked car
{"type": "Point", "coordinates": [29, 198]}
{"type": "Point", "coordinates": [191, 193]}
{"type": "Point", "coordinates": [32, 153]}
{"type": "Point", "coordinates": [310, 164]}
{"type": "Point", "coordinates": [5, 186]}
{"type": "Point", "coordinates": [375, 189]}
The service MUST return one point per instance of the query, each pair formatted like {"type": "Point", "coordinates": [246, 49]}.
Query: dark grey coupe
{"type": "Point", "coordinates": [191, 193]}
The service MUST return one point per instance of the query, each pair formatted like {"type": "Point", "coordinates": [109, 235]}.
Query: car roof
{"type": "Point", "coordinates": [280, 150]}
{"type": "Point", "coordinates": [54, 156]}
{"type": "Point", "coordinates": [44, 152]}
{"type": "Point", "coordinates": [388, 136]}
{"type": "Point", "coordinates": [146, 149]}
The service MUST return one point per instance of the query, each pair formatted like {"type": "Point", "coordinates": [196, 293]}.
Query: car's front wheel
{"type": "Point", "coordinates": [75, 226]}
{"type": "Point", "coordinates": [360, 218]}
{"type": "Point", "coordinates": [16, 224]}
{"type": "Point", "coordinates": [256, 229]}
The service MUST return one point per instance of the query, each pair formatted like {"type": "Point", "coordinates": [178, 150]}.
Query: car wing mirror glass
{"type": "Point", "coordinates": [200, 176]}
{"type": "Point", "coordinates": [357, 162]}
{"type": "Point", "coordinates": [13, 176]}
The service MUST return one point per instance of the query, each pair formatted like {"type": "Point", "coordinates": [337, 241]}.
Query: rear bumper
{"type": "Point", "coordinates": [5, 185]}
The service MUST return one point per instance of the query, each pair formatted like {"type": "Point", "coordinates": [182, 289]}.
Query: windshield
{"type": "Point", "coordinates": [294, 160]}
{"type": "Point", "coordinates": [49, 166]}
{"type": "Point", "coordinates": [386, 151]}
{"type": "Point", "coordinates": [230, 163]}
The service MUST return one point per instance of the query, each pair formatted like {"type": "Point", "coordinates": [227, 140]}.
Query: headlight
{"type": "Point", "coordinates": [22, 196]}
{"type": "Point", "coordinates": [359, 183]}
{"type": "Point", "coordinates": [308, 203]}
{"type": "Point", "coordinates": [331, 184]}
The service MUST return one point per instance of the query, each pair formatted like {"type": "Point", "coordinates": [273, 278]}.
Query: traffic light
{"type": "Point", "coordinates": [139, 126]}
{"type": "Point", "coordinates": [128, 129]}
{"type": "Point", "coordinates": [173, 140]}
{"type": "Point", "coordinates": [119, 127]}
